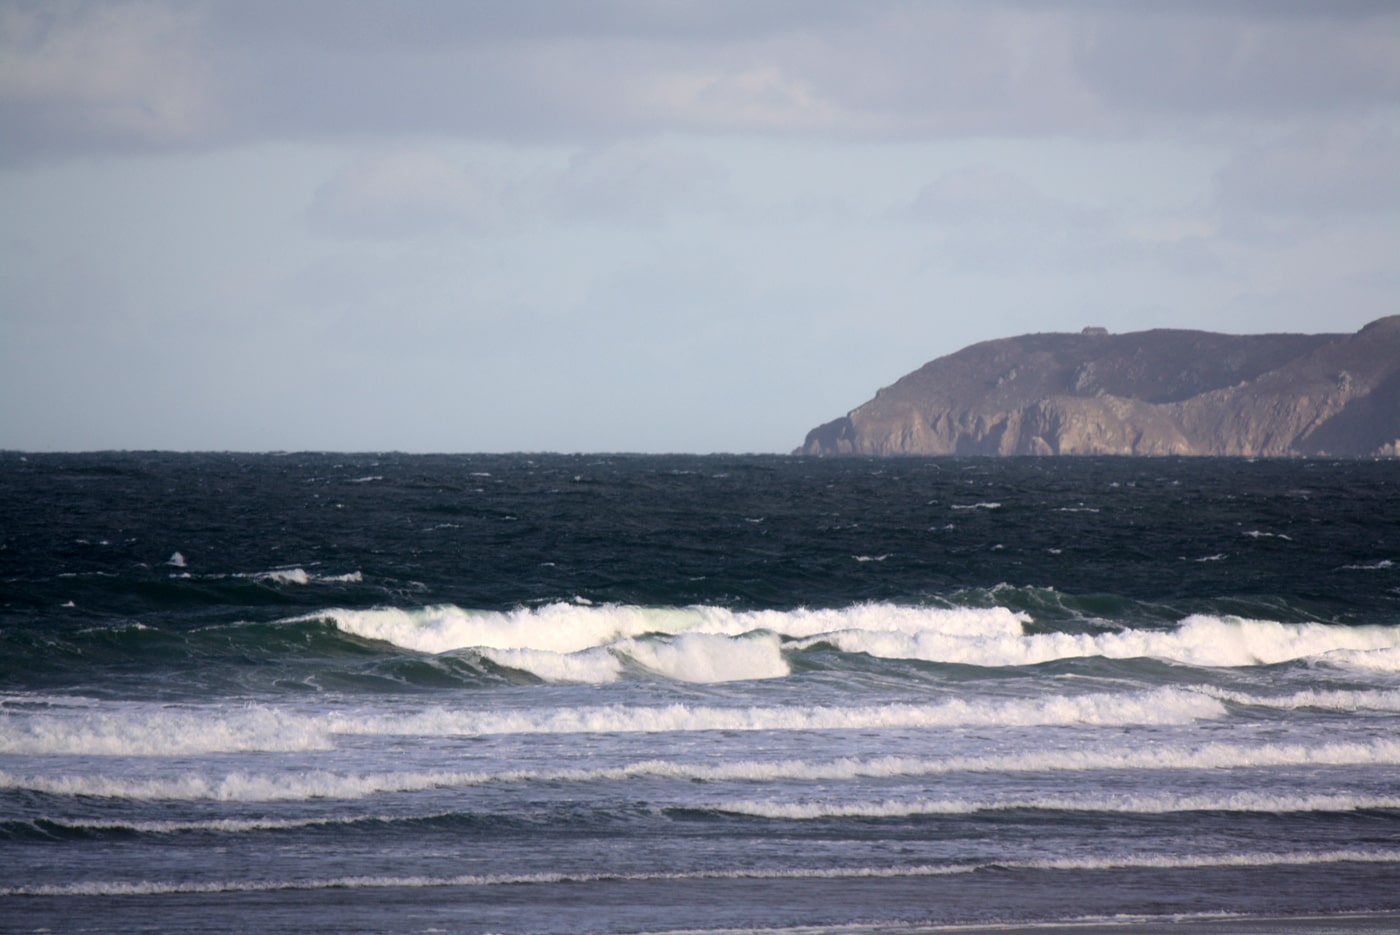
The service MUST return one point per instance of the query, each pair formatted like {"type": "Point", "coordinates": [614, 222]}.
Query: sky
{"type": "Point", "coordinates": [651, 225]}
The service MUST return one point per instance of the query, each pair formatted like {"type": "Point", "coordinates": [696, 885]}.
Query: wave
{"type": "Point", "coordinates": [46, 826]}
{"type": "Point", "coordinates": [1108, 863]}
{"type": "Point", "coordinates": [298, 575]}
{"type": "Point", "coordinates": [1199, 640]}
{"type": "Point", "coordinates": [149, 730]}
{"type": "Point", "coordinates": [137, 729]}
{"type": "Point", "coordinates": [1315, 699]}
{"type": "Point", "coordinates": [319, 784]}
{"type": "Point", "coordinates": [566, 642]}
{"type": "Point", "coordinates": [1135, 804]}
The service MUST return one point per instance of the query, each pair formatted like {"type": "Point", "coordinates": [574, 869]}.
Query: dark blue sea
{"type": "Point", "coordinates": [574, 694]}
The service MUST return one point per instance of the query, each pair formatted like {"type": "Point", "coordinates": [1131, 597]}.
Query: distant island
{"type": "Point", "coordinates": [1159, 392]}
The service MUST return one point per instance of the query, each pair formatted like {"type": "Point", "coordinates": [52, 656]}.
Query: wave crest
{"type": "Point", "coordinates": [562, 642]}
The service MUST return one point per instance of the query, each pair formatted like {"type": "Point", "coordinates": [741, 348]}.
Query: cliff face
{"type": "Point", "coordinates": [1147, 393]}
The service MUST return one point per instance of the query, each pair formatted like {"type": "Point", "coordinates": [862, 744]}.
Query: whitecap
{"type": "Point", "coordinates": [708, 657]}
{"type": "Point", "coordinates": [992, 636]}
{"type": "Point", "coordinates": [1148, 804]}
{"type": "Point", "coordinates": [1109, 862]}
{"type": "Point", "coordinates": [148, 730]}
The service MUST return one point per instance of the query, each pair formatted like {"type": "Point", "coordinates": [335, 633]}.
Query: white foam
{"type": "Point", "coordinates": [147, 730]}
{"type": "Point", "coordinates": [282, 576]}
{"type": "Point", "coordinates": [977, 506]}
{"type": "Point", "coordinates": [1129, 804]}
{"type": "Point", "coordinates": [298, 575]}
{"type": "Point", "coordinates": [1380, 660]}
{"type": "Point", "coordinates": [151, 730]}
{"type": "Point", "coordinates": [1116, 862]}
{"type": "Point", "coordinates": [574, 627]}
{"type": "Point", "coordinates": [594, 666]}
{"type": "Point", "coordinates": [688, 657]}
{"type": "Point", "coordinates": [1160, 706]}
{"type": "Point", "coordinates": [1198, 640]}
{"type": "Point", "coordinates": [320, 784]}
{"type": "Point", "coordinates": [223, 825]}
{"type": "Point", "coordinates": [237, 786]}
{"type": "Point", "coordinates": [1164, 758]}
{"type": "Point", "coordinates": [1327, 699]}
{"type": "Point", "coordinates": [1380, 565]}
{"type": "Point", "coordinates": [991, 637]}
{"type": "Point", "coordinates": [708, 657]}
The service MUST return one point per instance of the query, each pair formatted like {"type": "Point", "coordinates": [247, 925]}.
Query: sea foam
{"type": "Point", "coordinates": [1199, 640]}
{"type": "Point", "coordinates": [1132, 804]}
{"type": "Point", "coordinates": [242, 786]}
{"type": "Point", "coordinates": [989, 637]}
{"type": "Point", "coordinates": [137, 729]}
{"type": "Point", "coordinates": [1107, 863]}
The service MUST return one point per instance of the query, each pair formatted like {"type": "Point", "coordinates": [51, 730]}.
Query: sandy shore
{"type": "Point", "coordinates": [1291, 925]}
{"type": "Point", "coordinates": [1356, 924]}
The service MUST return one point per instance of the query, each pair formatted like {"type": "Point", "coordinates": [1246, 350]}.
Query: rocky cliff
{"type": "Point", "coordinates": [1162, 392]}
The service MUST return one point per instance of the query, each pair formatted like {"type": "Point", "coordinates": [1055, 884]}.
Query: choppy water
{"type": "Point", "coordinates": [590, 694]}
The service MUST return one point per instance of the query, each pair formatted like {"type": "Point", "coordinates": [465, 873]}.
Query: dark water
{"type": "Point", "coordinates": [591, 694]}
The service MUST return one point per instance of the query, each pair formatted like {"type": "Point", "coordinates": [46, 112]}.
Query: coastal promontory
{"type": "Point", "coordinates": [1159, 392]}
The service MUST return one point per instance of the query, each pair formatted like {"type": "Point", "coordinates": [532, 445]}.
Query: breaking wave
{"type": "Point", "coordinates": [320, 784]}
{"type": "Point", "coordinates": [153, 730]}
{"type": "Point", "coordinates": [1124, 862]}
{"type": "Point", "coordinates": [567, 642]}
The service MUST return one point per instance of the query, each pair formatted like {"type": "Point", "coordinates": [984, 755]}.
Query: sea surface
{"type": "Point", "coordinates": [548, 693]}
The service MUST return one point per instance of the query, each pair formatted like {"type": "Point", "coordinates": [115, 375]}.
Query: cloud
{"type": "Point", "coordinates": [981, 195]}
{"type": "Point", "coordinates": [637, 182]}
{"type": "Point", "coordinates": [1339, 169]}
{"type": "Point", "coordinates": [985, 218]}
{"type": "Point", "coordinates": [81, 77]}
{"type": "Point", "coordinates": [1242, 60]}
{"type": "Point", "coordinates": [412, 193]}
{"type": "Point", "coordinates": [123, 75]}
{"type": "Point", "coordinates": [404, 194]}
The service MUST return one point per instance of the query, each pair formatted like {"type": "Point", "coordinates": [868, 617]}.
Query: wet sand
{"type": "Point", "coordinates": [1287, 925]}
{"type": "Point", "coordinates": [1349, 924]}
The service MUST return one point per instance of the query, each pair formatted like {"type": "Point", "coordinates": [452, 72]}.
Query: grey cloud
{"type": "Point", "coordinates": [979, 195]}
{"type": "Point", "coordinates": [985, 218]}
{"type": "Point", "coordinates": [123, 76]}
{"type": "Point", "coordinates": [412, 193]}
{"type": "Point", "coordinates": [1239, 61]}
{"type": "Point", "coordinates": [407, 193]}
{"type": "Point", "coordinates": [1338, 169]}
{"type": "Point", "coordinates": [424, 23]}
{"type": "Point", "coordinates": [638, 182]}
{"type": "Point", "coordinates": [83, 77]}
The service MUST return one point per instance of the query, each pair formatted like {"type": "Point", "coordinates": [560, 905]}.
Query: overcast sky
{"type": "Point", "coordinates": [651, 225]}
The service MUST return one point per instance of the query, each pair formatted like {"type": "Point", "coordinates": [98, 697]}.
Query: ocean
{"type": "Point", "coordinates": [585, 693]}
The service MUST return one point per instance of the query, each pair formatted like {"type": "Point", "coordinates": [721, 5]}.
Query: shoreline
{"type": "Point", "coordinates": [1360, 923]}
